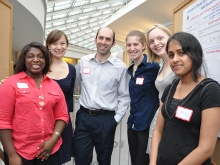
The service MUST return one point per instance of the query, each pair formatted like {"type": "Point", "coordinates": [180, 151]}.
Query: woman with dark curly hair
{"type": "Point", "coordinates": [33, 110]}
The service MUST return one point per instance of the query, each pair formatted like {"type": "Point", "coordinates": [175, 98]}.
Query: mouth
{"type": "Point", "coordinates": [102, 47]}
{"type": "Point", "coordinates": [132, 53]}
{"type": "Point", "coordinates": [176, 66]}
{"type": "Point", "coordinates": [36, 66]}
{"type": "Point", "coordinates": [59, 52]}
{"type": "Point", "coordinates": [158, 48]}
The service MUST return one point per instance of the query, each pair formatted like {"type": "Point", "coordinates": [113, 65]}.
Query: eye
{"type": "Point", "coordinates": [100, 37]}
{"type": "Point", "coordinates": [41, 57]}
{"type": "Point", "coordinates": [30, 56]}
{"type": "Point", "coordinates": [160, 38]}
{"type": "Point", "coordinates": [151, 42]}
{"type": "Point", "coordinates": [170, 55]}
{"type": "Point", "coordinates": [181, 53]}
{"type": "Point", "coordinates": [108, 39]}
{"type": "Point", "coordinates": [128, 45]}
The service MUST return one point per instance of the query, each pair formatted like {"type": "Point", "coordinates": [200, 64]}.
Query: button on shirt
{"type": "Point", "coordinates": [144, 95]}
{"type": "Point", "coordinates": [30, 122]}
{"type": "Point", "coordinates": [104, 84]}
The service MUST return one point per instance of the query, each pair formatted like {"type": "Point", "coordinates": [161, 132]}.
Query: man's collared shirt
{"type": "Point", "coordinates": [21, 112]}
{"type": "Point", "coordinates": [104, 84]}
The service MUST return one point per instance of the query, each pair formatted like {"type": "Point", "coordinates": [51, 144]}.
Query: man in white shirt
{"type": "Point", "coordinates": [103, 101]}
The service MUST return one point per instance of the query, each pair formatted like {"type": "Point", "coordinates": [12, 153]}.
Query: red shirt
{"type": "Point", "coordinates": [20, 111]}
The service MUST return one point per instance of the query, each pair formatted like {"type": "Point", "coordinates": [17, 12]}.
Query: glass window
{"type": "Point", "coordinates": [80, 19]}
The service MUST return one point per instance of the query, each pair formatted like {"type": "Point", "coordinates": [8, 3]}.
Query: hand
{"type": "Point", "coordinates": [45, 149]}
{"type": "Point", "coordinates": [2, 81]}
{"type": "Point", "coordinates": [15, 160]}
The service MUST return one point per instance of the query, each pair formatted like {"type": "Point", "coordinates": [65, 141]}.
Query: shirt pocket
{"type": "Point", "coordinates": [23, 104]}
{"type": "Point", "coordinates": [24, 95]}
{"type": "Point", "coordinates": [53, 97]}
{"type": "Point", "coordinates": [108, 83]}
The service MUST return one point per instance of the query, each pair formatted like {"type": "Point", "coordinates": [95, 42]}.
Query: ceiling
{"type": "Point", "coordinates": [80, 19]}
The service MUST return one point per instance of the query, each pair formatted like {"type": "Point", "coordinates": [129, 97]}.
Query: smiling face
{"type": "Point", "coordinates": [157, 39]}
{"type": "Point", "coordinates": [134, 47]}
{"type": "Point", "coordinates": [180, 62]}
{"type": "Point", "coordinates": [104, 41]}
{"type": "Point", "coordinates": [34, 62]}
{"type": "Point", "coordinates": [58, 48]}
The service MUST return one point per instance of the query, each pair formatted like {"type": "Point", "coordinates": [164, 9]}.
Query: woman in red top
{"type": "Point", "coordinates": [33, 110]}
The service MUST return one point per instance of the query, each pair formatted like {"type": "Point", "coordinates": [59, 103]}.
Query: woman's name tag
{"type": "Point", "coordinates": [139, 81]}
{"type": "Point", "coordinates": [22, 85]}
{"type": "Point", "coordinates": [184, 113]}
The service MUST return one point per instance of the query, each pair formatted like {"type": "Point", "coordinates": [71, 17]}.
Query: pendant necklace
{"type": "Point", "coordinates": [41, 102]}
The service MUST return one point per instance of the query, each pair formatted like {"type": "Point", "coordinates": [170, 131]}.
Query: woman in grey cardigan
{"type": "Point", "coordinates": [157, 38]}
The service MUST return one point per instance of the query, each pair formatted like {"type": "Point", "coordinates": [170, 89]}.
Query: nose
{"type": "Point", "coordinates": [132, 47]}
{"type": "Point", "coordinates": [58, 46]}
{"type": "Point", "coordinates": [156, 42]}
{"type": "Point", "coordinates": [103, 41]}
{"type": "Point", "coordinates": [35, 58]}
{"type": "Point", "coordinates": [175, 58]}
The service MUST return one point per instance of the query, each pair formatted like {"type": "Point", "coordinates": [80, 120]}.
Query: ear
{"type": "Point", "coordinates": [48, 47]}
{"type": "Point", "coordinates": [113, 44]}
{"type": "Point", "coordinates": [144, 46]}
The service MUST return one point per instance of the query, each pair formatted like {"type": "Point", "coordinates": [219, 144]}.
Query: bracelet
{"type": "Point", "coordinates": [57, 133]}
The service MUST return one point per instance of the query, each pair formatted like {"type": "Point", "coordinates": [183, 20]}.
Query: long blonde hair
{"type": "Point", "coordinates": [151, 55]}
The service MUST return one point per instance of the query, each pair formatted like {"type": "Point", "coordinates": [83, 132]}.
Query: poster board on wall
{"type": "Point", "coordinates": [202, 19]}
{"type": "Point", "coordinates": [178, 15]}
{"type": "Point", "coordinates": [6, 12]}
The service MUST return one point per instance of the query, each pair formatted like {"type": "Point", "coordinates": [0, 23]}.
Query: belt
{"type": "Point", "coordinates": [93, 112]}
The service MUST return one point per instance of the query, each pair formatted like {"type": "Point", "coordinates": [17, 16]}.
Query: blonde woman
{"type": "Point", "coordinates": [157, 38]}
{"type": "Point", "coordinates": [143, 94]}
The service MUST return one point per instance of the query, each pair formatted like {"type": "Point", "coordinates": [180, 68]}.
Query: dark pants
{"type": "Point", "coordinates": [94, 131]}
{"type": "Point", "coordinates": [35, 161]}
{"type": "Point", "coordinates": [137, 141]}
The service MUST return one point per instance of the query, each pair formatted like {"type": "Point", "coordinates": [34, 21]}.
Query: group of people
{"type": "Point", "coordinates": [174, 111]}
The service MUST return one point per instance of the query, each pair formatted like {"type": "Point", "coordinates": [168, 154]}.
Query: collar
{"type": "Point", "coordinates": [23, 75]}
{"type": "Point", "coordinates": [144, 61]}
{"type": "Point", "coordinates": [110, 59]}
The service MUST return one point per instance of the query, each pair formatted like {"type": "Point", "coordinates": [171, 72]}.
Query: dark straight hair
{"type": "Point", "coordinates": [191, 47]}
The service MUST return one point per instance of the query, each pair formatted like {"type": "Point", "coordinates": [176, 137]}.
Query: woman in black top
{"type": "Point", "coordinates": [188, 121]}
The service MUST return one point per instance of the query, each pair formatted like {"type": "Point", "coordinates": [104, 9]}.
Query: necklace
{"type": "Point", "coordinates": [41, 102]}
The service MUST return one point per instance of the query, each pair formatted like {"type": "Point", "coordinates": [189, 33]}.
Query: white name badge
{"type": "Point", "coordinates": [183, 113]}
{"type": "Point", "coordinates": [139, 81]}
{"type": "Point", "coordinates": [22, 85]}
{"type": "Point", "coordinates": [86, 70]}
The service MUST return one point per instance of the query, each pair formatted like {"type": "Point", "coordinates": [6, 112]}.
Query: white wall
{"type": "Point", "coordinates": [28, 22]}
{"type": "Point", "coordinates": [34, 6]}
